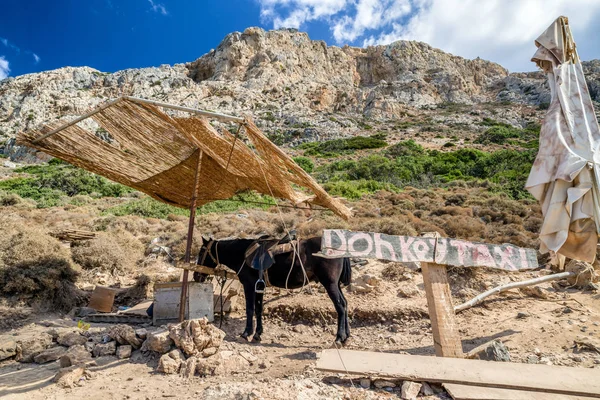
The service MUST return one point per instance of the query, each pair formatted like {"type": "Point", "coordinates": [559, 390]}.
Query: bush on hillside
{"type": "Point", "coordinates": [35, 268]}
{"type": "Point", "coordinates": [331, 148]}
{"type": "Point", "coordinates": [113, 253]}
{"type": "Point", "coordinates": [305, 163]}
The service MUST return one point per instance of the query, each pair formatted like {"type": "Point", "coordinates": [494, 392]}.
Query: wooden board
{"type": "Point", "coordinates": [446, 337]}
{"type": "Point", "coordinates": [464, 392]}
{"type": "Point", "coordinates": [530, 377]}
{"type": "Point", "coordinates": [102, 299]}
{"type": "Point", "coordinates": [446, 251]}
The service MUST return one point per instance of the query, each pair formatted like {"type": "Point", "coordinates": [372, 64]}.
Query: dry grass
{"type": "Point", "coordinates": [35, 268]}
{"type": "Point", "coordinates": [116, 252]}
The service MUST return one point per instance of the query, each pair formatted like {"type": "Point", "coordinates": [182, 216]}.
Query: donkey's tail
{"type": "Point", "coordinates": [346, 277]}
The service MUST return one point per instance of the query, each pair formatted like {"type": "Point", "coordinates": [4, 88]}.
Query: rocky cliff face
{"type": "Point", "coordinates": [282, 75]}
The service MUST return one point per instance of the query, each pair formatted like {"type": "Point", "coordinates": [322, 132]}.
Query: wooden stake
{"type": "Point", "coordinates": [439, 301]}
{"type": "Point", "coordinates": [190, 237]}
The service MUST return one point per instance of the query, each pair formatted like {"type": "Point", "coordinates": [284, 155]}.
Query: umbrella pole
{"type": "Point", "coordinates": [190, 235]}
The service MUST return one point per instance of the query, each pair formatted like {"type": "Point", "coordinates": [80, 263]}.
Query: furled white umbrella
{"type": "Point", "coordinates": [565, 175]}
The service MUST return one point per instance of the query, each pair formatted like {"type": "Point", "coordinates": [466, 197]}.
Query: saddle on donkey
{"type": "Point", "coordinates": [259, 255]}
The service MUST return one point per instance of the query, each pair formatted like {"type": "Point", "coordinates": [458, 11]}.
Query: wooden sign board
{"type": "Point", "coordinates": [444, 251]}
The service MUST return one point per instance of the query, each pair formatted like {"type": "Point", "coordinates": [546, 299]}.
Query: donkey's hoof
{"type": "Point", "coordinates": [245, 335]}
{"type": "Point", "coordinates": [338, 343]}
{"type": "Point", "coordinates": [256, 338]}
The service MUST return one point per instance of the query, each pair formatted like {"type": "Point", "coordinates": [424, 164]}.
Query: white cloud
{"type": "Point", "coordinates": [36, 58]}
{"type": "Point", "coordinates": [157, 7]}
{"type": "Point", "coordinates": [4, 69]}
{"type": "Point", "coordinates": [298, 12]}
{"type": "Point", "coordinates": [497, 30]}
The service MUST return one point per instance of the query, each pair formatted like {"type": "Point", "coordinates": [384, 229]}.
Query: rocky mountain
{"type": "Point", "coordinates": [283, 75]}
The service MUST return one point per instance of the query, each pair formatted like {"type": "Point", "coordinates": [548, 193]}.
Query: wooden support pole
{"type": "Point", "coordinates": [190, 237]}
{"type": "Point", "coordinates": [439, 301]}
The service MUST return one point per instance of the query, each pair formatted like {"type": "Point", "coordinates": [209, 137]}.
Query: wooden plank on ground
{"type": "Point", "coordinates": [530, 377]}
{"type": "Point", "coordinates": [446, 337]}
{"type": "Point", "coordinates": [464, 392]}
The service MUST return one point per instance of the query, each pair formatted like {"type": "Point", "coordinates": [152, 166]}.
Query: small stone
{"type": "Point", "coordinates": [8, 347]}
{"type": "Point", "coordinates": [107, 349]}
{"type": "Point", "coordinates": [124, 351]}
{"type": "Point", "coordinates": [77, 355]}
{"type": "Point", "coordinates": [533, 359]}
{"type": "Point", "coordinates": [410, 390]}
{"type": "Point", "coordinates": [89, 346]}
{"type": "Point", "coordinates": [365, 383]}
{"type": "Point", "coordinates": [577, 358]}
{"type": "Point", "coordinates": [71, 339]}
{"type": "Point", "coordinates": [30, 347]}
{"type": "Point", "coordinates": [523, 315]}
{"type": "Point", "coordinates": [51, 354]}
{"type": "Point", "coordinates": [188, 368]}
{"type": "Point", "coordinates": [168, 365]}
{"type": "Point", "coordinates": [158, 341]}
{"type": "Point", "coordinates": [537, 352]}
{"type": "Point", "coordinates": [142, 333]}
{"type": "Point", "coordinates": [264, 364]}
{"type": "Point", "coordinates": [426, 389]}
{"type": "Point", "coordinates": [567, 310]}
{"type": "Point", "coordinates": [382, 383]}
{"type": "Point", "coordinates": [177, 355]}
{"type": "Point", "coordinates": [395, 328]}
{"type": "Point", "coordinates": [490, 351]}
{"type": "Point", "coordinates": [68, 377]}
{"type": "Point", "coordinates": [251, 358]}
{"type": "Point", "coordinates": [125, 334]}
{"type": "Point", "coordinates": [210, 351]}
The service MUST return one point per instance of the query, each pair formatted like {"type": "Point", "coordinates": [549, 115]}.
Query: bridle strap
{"type": "Point", "coordinates": [207, 252]}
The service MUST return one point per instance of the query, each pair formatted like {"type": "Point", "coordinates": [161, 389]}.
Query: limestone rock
{"type": "Point", "coordinates": [365, 383]}
{"type": "Point", "coordinates": [105, 349]}
{"type": "Point", "coordinates": [193, 336]}
{"type": "Point", "coordinates": [188, 368]}
{"type": "Point", "coordinates": [124, 351]}
{"type": "Point", "coordinates": [51, 354]}
{"type": "Point", "coordinates": [158, 341]}
{"type": "Point", "coordinates": [410, 390]}
{"type": "Point", "coordinates": [125, 334]}
{"type": "Point", "coordinates": [168, 365]}
{"type": "Point", "coordinates": [209, 351]}
{"type": "Point", "coordinates": [177, 355]}
{"type": "Point", "coordinates": [382, 383]}
{"type": "Point", "coordinates": [71, 339]}
{"type": "Point", "coordinates": [69, 377]}
{"type": "Point", "coordinates": [427, 390]}
{"type": "Point", "coordinates": [490, 351]}
{"type": "Point", "coordinates": [8, 347]}
{"type": "Point", "coordinates": [29, 347]}
{"type": "Point", "coordinates": [76, 355]}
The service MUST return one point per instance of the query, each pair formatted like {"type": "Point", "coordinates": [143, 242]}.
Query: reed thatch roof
{"type": "Point", "coordinates": [140, 146]}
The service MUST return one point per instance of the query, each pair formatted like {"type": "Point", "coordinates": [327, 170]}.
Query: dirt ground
{"type": "Point", "coordinates": [392, 317]}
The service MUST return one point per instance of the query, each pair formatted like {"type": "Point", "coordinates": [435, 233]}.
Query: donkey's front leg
{"type": "Point", "coordinates": [249, 295]}
{"type": "Point", "coordinates": [258, 303]}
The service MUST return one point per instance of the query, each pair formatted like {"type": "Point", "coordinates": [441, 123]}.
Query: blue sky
{"type": "Point", "coordinates": [110, 35]}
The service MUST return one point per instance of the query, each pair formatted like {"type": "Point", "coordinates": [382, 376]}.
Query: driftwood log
{"type": "Point", "coordinates": [514, 285]}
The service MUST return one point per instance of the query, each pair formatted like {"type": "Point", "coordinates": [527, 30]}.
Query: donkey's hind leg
{"type": "Point", "coordinates": [335, 294]}
{"type": "Point", "coordinates": [347, 322]}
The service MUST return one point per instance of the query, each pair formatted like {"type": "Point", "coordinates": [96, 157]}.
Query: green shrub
{"type": "Point", "coordinates": [335, 147]}
{"type": "Point", "coordinates": [305, 163]}
{"type": "Point", "coordinates": [50, 182]}
{"type": "Point", "coordinates": [151, 208]}
{"type": "Point", "coordinates": [356, 189]}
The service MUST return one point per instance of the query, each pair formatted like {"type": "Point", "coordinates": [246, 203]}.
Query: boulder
{"type": "Point", "coordinates": [30, 347]}
{"type": "Point", "coordinates": [51, 354]}
{"type": "Point", "coordinates": [124, 351]}
{"type": "Point", "coordinates": [76, 355]}
{"type": "Point", "coordinates": [158, 341]}
{"type": "Point", "coordinates": [125, 334]}
{"type": "Point", "coordinates": [105, 349]}
{"type": "Point", "coordinates": [195, 335]}
{"type": "Point", "coordinates": [365, 383]}
{"type": "Point", "coordinates": [168, 365]}
{"type": "Point", "coordinates": [71, 339]}
{"type": "Point", "coordinates": [410, 390]}
{"type": "Point", "coordinates": [142, 333]}
{"type": "Point", "coordinates": [8, 347]}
